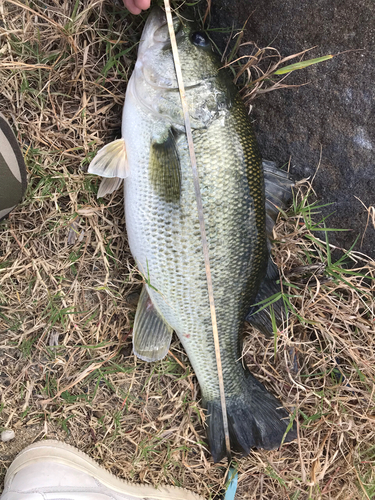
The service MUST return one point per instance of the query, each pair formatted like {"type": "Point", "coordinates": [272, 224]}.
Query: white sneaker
{"type": "Point", "coordinates": [52, 470]}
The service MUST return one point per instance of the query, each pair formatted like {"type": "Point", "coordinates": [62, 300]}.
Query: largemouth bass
{"type": "Point", "coordinates": [164, 234]}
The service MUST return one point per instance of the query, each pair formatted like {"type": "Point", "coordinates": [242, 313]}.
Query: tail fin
{"type": "Point", "coordinates": [256, 419]}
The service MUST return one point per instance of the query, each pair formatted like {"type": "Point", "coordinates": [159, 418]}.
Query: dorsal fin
{"type": "Point", "coordinates": [269, 292]}
{"type": "Point", "coordinates": [278, 193]}
{"type": "Point", "coordinates": [278, 190]}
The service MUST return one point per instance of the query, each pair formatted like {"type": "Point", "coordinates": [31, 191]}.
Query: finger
{"type": "Point", "coordinates": [132, 8]}
{"type": "Point", "coordinates": [143, 4]}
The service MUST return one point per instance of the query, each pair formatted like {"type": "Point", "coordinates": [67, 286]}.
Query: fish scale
{"type": "Point", "coordinates": [164, 233]}
{"type": "Point", "coordinates": [169, 245]}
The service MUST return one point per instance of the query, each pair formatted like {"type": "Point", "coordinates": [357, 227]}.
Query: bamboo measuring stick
{"type": "Point", "coordinates": [189, 136]}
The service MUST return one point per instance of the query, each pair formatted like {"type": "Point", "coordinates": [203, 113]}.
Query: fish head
{"type": "Point", "coordinates": [154, 81]}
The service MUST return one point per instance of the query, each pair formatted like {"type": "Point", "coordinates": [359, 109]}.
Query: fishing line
{"type": "Point", "coordinates": [202, 225]}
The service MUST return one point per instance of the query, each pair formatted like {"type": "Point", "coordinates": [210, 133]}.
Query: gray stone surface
{"type": "Point", "coordinates": [334, 115]}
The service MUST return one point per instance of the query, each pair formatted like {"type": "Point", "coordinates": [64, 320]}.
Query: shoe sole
{"type": "Point", "coordinates": [65, 454]}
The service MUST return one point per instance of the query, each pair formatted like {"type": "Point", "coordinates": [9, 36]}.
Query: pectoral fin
{"type": "Point", "coordinates": [151, 334]}
{"type": "Point", "coordinates": [111, 162]}
{"type": "Point", "coordinates": [165, 171]}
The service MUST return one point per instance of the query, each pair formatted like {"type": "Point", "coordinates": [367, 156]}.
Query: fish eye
{"type": "Point", "coordinates": [200, 39]}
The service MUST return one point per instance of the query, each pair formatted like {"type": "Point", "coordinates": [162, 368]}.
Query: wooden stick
{"type": "Point", "coordinates": [189, 136]}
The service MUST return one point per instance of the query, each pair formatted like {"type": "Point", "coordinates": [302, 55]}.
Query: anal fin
{"type": "Point", "coordinates": [151, 334]}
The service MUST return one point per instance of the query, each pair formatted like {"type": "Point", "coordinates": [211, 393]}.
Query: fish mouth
{"type": "Point", "coordinates": [156, 31]}
{"type": "Point", "coordinates": [155, 37]}
{"type": "Point", "coordinates": [156, 21]}
{"type": "Point", "coordinates": [165, 84]}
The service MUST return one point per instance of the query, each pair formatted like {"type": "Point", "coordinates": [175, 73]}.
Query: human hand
{"type": "Point", "coordinates": [136, 6]}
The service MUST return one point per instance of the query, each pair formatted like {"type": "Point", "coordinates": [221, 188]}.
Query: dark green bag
{"type": "Point", "coordinates": [12, 170]}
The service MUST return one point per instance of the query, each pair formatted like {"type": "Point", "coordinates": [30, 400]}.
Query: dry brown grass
{"type": "Point", "coordinates": [255, 70]}
{"type": "Point", "coordinates": [67, 278]}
